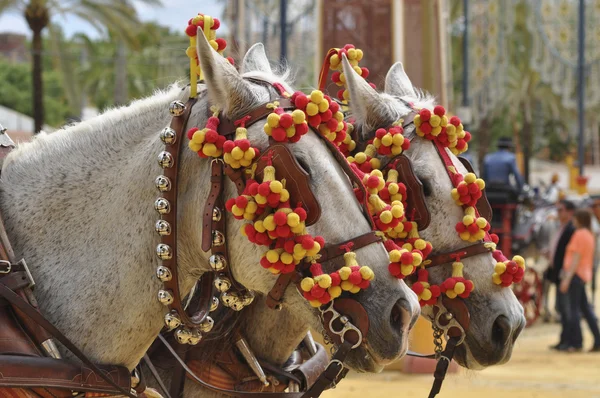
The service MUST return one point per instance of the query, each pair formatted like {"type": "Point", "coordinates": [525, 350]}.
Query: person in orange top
{"type": "Point", "coordinates": [577, 271]}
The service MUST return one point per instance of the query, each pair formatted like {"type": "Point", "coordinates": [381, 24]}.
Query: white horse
{"type": "Point", "coordinates": [496, 315]}
{"type": "Point", "coordinates": [78, 205]}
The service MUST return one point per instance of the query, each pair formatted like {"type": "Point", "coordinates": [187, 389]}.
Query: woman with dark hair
{"type": "Point", "coordinates": [577, 271]}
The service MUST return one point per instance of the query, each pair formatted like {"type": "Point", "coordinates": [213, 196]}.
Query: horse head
{"type": "Point", "coordinates": [391, 306]}
{"type": "Point", "coordinates": [496, 317]}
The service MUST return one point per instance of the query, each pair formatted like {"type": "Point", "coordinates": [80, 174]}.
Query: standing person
{"type": "Point", "coordinates": [577, 271]}
{"type": "Point", "coordinates": [596, 232]}
{"type": "Point", "coordinates": [500, 165]}
{"type": "Point", "coordinates": [565, 209]}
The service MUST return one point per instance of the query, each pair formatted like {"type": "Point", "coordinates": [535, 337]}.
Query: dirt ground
{"type": "Point", "coordinates": [533, 371]}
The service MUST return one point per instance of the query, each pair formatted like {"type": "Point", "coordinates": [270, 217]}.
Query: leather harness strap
{"type": "Point", "coordinates": [448, 257]}
{"type": "Point", "coordinates": [442, 366]}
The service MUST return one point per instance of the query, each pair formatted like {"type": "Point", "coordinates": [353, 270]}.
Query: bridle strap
{"type": "Point", "coordinates": [442, 366]}
{"type": "Point", "coordinates": [465, 252]}
{"type": "Point", "coordinates": [156, 376]}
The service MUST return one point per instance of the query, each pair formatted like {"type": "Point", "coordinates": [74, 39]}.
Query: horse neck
{"type": "Point", "coordinates": [78, 205]}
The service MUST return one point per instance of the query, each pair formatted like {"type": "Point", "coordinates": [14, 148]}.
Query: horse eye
{"type": "Point", "coordinates": [304, 165]}
{"type": "Point", "coordinates": [427, 190]}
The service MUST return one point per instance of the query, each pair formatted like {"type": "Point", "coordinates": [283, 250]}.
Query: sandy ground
{"type": "Point", "coordinates": [533, 371]}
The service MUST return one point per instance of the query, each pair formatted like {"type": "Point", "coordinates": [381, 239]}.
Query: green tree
{"type": "Point", "coordinates": [15, 93]}
{"type": "Point", "coordinates": [118, 15]}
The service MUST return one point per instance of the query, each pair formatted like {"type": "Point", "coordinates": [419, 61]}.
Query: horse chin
{"type": "Point", "coordinates": [364, 359]}
{"type": "Point", "coordinates": [469, 356]}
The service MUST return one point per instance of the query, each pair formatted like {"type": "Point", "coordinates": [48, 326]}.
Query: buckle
{"type": "Point", "coordinates": [347, 325]}
{"type": "Point", "coordinates": [5, 267]}
{"type": "Point", "coordinates": [23, 264]}
{"type": "Point", "coordinates": [452, 323]}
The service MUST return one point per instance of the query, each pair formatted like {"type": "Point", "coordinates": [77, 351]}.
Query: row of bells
{"type": "Point", "coordinates": [235, 301]}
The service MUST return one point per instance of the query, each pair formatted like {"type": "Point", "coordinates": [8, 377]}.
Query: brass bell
{"type": "Point", "coordinates": [163, 273]}
{"type": "Point", "coordinates": [216, 216]}
{"type": "Point", "coordinates": [217, 262]}
{"type": "Point", "coordinates": [163, 228]}
{"type": "Point", "coordinates": [172, 320]}
{"type": "Point", "coordinates": [163, 183]}
{"type": "Point", "coordinates": [165, 160]}
{"type": "Point", "coordinates": [218, 239]}
{"type": "Point", "coordinates": [207, 325]}
{"type": "Point", "coordinates": [164, 252]}
{"type": "Point", "coordinates": [176, 108]}
{"type": "Point", "coordinates": [214, 304]}
{"type": "Point", "coordinates": [168, 135]}
{"type": "Point", "coordinates": [228, 298]}
{"type": "Point", "coordinates": [162, 206]}
{"type": "Point", "coordinates": [165, 297]}
{"type": "Point", "coordinates": [195, 337]}
{"type": "Point", "coordinates": [222, 284]}
{"type": "Point", "coordinates": [237, 304]}
{"type": "Point", "coordinates": [183, 335]}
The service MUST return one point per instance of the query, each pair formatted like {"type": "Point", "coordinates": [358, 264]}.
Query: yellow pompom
{"type": "Point", "coordinates": [519, 260]}
{"type": "Point", "coordinates": [436, 131]}
{"type": "Point", "coordinates": [268, 129]}
{"type": "Point", "coordinates": [398, 139]}
{"type": "Point", "coordinates": [465, 235]}
{"type": "Point", "coordinates": [237, 153]}
{"type": "Point", "coordinates": [357, 70]}
{"type": "Point", "coordinates": [496, 279]}
{"type": "Point", "coordinates": [468, 220]}
{"type": "Point", "coordinates": [191, 52]}
{"type": "Point", "coordinates": [450, 130]}
{"type": "Point", "coordinates": [317, 96]}
{"type": "Point", "coordinates": [346, 95]}
{"type": "Point", "coordinates": [259, 226]}
{"type": "Point", "coordinates": [359, 54]}
{"type": "Point", "coordinates": [451, 294]}
{"type": "Point", "coordinates": [387, 140]}
{"type": "Point", "coordinates": [343, 78]}
{"type": "Point", "coordinates": [355, 289]}
{"type": "Point", "coordinates": [470, 178]}
{"type": "Point", "coordinates": [406, 269]}
{"type": "Point", "coordinates": [352, 53]}
{"type": "Point", "coordinates": [285, 195]}
{"type": "Point", "coordinates": [293, 219]}
{"type": "Point", "coordinates": [386, 217]}
{"type": "Point", "coordinates": [334, 60]}
{"type": "Point", "coordinates": [312, 109]}
{"type": "Point", "coordinates": [298, 116]}
{"type": "Point", "coordinates": [417, 259]}
{"type": "Point", "coordinates": [417, 121]}
{"type": "Point", "coordinates": [481, 222]}
{"type": "Point", "coordinates": [276, 186]}
{"type": "Point", "coordinates": [315, 303]}
{"type": "Point", "coordinates": [339, 116]}
{"type": "Point", "coordinates": [454, 193]}
{"type": "Point", "coordinates": [367, 273]}
{"type": "Point", "coordinates": [269, 223]}
{"type": "Point", "coordinates": [426, 295]}
{"type": "Point", "coordinates": [324, 281]}
{"type": "Point", "coordinates": [249, 154]}
{"type": "Point", "coordinates": [198, 137]}
{"type": "Point", "coordinates": [209, 149]}
{"type": "Point", "coordinates": [480, 183]}
{"type": "Point", "coordinates": [500, 268]}
{"type": "Point", "coordinates": [214, 45]}
{"type": "Point", "coordinates": [345, 273]}
{"type": "Point", "coordinates": [444, 121]}
{"type": "Point", "coordinates": [395, 256]}
{"type": "Point", "coordinates": [273, 120]}
{"type": "Point", "coordinates": [194, 147]}
{"type": "Point", "coordinates": [272, 256]}
{"type": "Point", "coordinates": [290, 131]}
{"type": "Point", "coordinates": [435, 120]}
{"type": "Point", "coordinates": [335, 291]}
{"type": "Point", "coordinates": [286, 258]}
{"type": "Point", "coordinates": [459, 288]}
{"type": "Point", "coordinates": [323, 106]}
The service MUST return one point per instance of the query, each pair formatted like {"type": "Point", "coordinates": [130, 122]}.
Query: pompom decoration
{"type": "Point", "coordinates": [321, 288]}
{"type": "Point", "coordinates": [286, 127]}
{"type": "Point", "coordinates": [348, 144]}
{"type": "Point", "coordinates": [457, 285]}
{"type": "Point", "coordinates": [390, 142]}
{"type": "Point", "coordinates": [354, 55]}
{"type": "Point", "coordinates": [243, 207]}
{"type": "Point", "coordinates": [284, 223]}
{"type": "Point", "coordinates": [472, 228]}
{"type": "Point", "coordinates": [448, 132]}
{"type": "Point", "coordinates": [506, 273]}
{"type": "Point", "coordinates": [386, 216]}
{"type": "Point", "coordinates": [353, 276]}
{"type": "Point", "coordinates": [271, 192]}
{"type": "Point", "coordinates": [393, 190]}
{"type": "Point", "coordinates": [239, 153]}
{"type": "Point", "coordinates": [207, 142]}
{"type": "Point", "coordinates": [427, 294]}
{"type": "Point", "coordinates": [278, 261]}
{"type": "Point", "coordinates": [366, 161]}
{"type": "Point", "coordinates": [403, 262]}
{"type": "Point", "coordinates": [468, 191]}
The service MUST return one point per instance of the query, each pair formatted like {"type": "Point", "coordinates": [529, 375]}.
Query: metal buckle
{"type": "Point", "coordinates": [347, 325]}
{"type": "Point", "coordinates": [452, 323]}
{"type": "Point", "coordinates": [334, 383]}
{"type": "Point", "coordinates": [8, 266]}
{"type": "Point", "coordinates": [27, 273]}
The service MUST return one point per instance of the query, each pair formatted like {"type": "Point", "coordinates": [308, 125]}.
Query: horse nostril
{"type": "Point", "coordinates": [501, 330]}
{"type": "Point", "coordinates": [518, 330]}
{"type": "Point", "coordinates": [400, 317]}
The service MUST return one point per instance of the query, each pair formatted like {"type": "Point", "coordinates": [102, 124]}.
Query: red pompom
{"type": "Point", "coordinates": [314, 120]}
{"type": "Point", "coordinates": [190, 132]}
{"type": "Point", "coordinates": [280, 218]}
{"type": "Point", "coordinates": [320, 240]}
{"type": "Point", "coordinates": [426, 128]}
{"type": "Point", "coordinates": [326, 116]}
{"type": "Point", "coordinates": [241, 202]}
{"type": "Point", "coordinates": [301, 213]}
{"type": "Point", "coordinates": [216, 24]}
{"type": "Point", "coordinates": [425, 114]}
{"type": "Point", "coordinates": [278, 134]}
{"type": "Point", "coordinates": [221, 43]}
{"type": "Point", "coordinates": [286, 120]}
{"type": "Point", "coordinates": [439, 110]}
{"type": "Point", "coordinates": [365, 73]}
{"type": "Point", "coordinates": [406, 258]}
{"type": "Point", "coordinates": [332, 124]}
{"type": "Point", "coordinates": [454, 120]}
{"type": "Point", "coordinates": [418, 287]}
{"type": "Point", "coordinates": [301, 129]}
{"type": "Point", "coordinates": [191, 30]}
{"type": "Point", "coordinates": [229, 204]}
{"type": "Point", "coordinates": [336, 77]}
{"type": "Point", "coordinates": [301, 101]}
{"type": "Point", "coordinates": [334, 107]}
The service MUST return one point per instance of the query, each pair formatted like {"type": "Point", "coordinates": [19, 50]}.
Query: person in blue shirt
{"type": "Point", "coordinates": [500, 165]}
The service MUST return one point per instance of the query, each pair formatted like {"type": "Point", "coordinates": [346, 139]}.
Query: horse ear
{"type": "Point", "coordinates": [368, 106]}
{"type": "Point", "coordinates": [226, 87]}
{"type": "Point", "coordinates": [256, 60]}
{"type": "Point", "coordinates": [397, 81]}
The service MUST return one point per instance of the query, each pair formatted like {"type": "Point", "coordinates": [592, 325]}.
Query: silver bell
{"type": "Point", "coordinates": [165, 160]}
{"type": "Point", "coordinates": [163, 228]}
{"type": "Point", "coordinates": [172, 320]}
{"type": "Point", "coordinates": [183, 335]}
{"type": "Point", "coordinates": [207, 325]}
{"type": "Point", "coordinates": [165, 297]}
{"type": "Point", "coordinates": [163, 183]}
{"type": "Point", "coordinates": [162, 206]}
{"type": "Point", "coordinates": [218, 239]}
{"type": "Point", "coordinates": [168, 135]}
{"type": "Point", "coordinates": [164, 252]}
{"type": "Point", "coordinates": [164, 274]}
{"type": "Point", "coordinates": [217, 214]}
{"type": "Point", "coordinates": [214, 304]}
{"type": "Point", "coordinates": [217, 262]}
{"type": "Point", "coordinates": [222, 284]}
{"type": "Point", "coordinates": [176, 108]}
{"type": "Point", "coordinates": [195, 337]}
